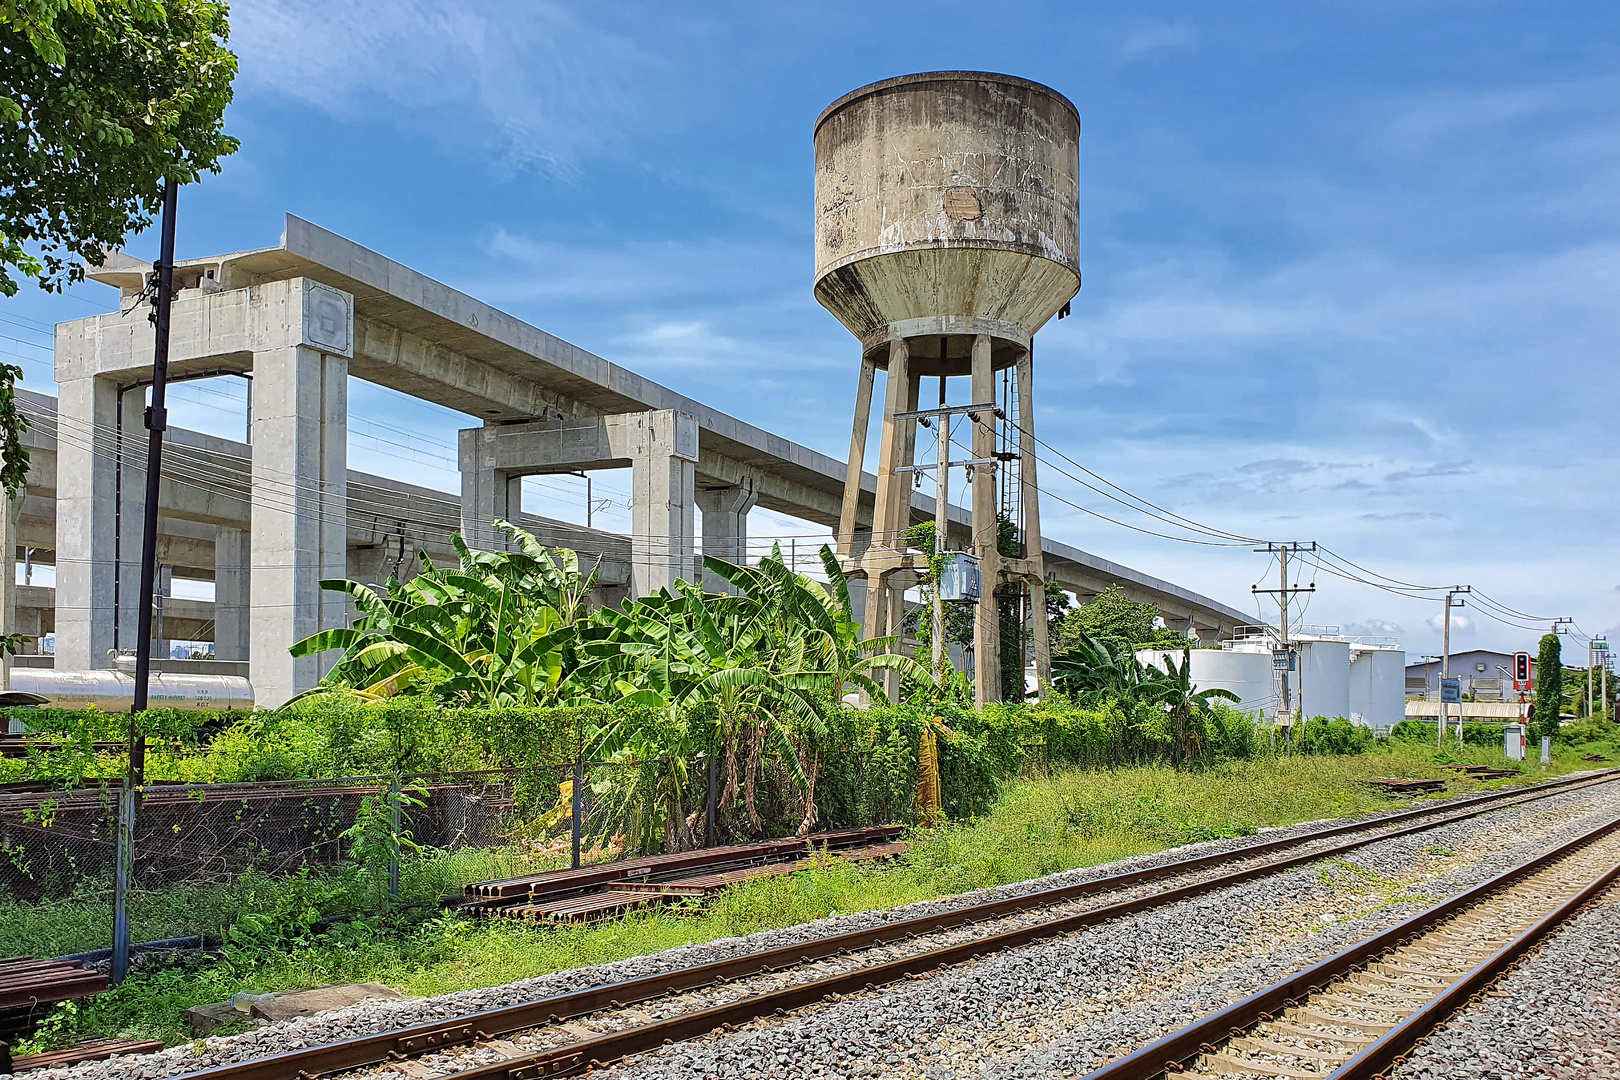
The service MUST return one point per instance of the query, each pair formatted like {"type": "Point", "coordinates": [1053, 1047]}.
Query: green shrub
{"type": "Point", "coordinates": [1482, 734]}
{"type": "Point", "coordinates": [1581, 734]}
{"type": "Point", "coordinates": [1412, 731]}
{"type": "Point", "coordinates": [1338, 736]}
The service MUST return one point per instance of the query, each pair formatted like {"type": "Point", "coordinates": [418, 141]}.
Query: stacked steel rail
{"type": "Point", "coordinates": [29, 988]}
{"type": "Point", "coordinates": [574, 1058]}
{"type": "Point", "coordinates": [593, 892]}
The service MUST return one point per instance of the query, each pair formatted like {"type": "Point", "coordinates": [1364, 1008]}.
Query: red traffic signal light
{"type": "Point", "coordinates": [1521, 667]}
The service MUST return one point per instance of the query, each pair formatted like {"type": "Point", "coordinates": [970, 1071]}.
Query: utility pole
{"type": "Point", "coordinates": [1452, 600]}
{"type": "Point", "coordinates": [1285, 710]}
{"type": "Point", "coordinates": [1597, 653]}
{"type": "Point", "coordinates": [156, 421]}
{"type": "Point", "coordinates": [942, 491]}
{"type": "Point", "coordinates": [942, 467]}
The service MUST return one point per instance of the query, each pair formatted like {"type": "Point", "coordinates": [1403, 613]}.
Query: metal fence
{"type": "Point", "coordinates": [200, 854]}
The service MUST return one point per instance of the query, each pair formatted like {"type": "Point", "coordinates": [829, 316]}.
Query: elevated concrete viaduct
{"type": "Point", "coordinates": [271, 518]}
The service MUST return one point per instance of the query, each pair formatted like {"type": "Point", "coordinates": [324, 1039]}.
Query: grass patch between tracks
{"type": "Point", "coordinates": [1039, 825]}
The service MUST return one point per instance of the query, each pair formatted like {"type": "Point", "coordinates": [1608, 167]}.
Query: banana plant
{"type": "Point", "coordinates": [1095, 668]}
{"type": "Point", "coordinates": [497, 630]}
{"type": "Point", "coordinates": [1173, 690]}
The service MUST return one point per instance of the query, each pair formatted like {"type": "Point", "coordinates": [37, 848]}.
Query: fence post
{"type": "Point", "coordinates": [579, 796]}
{"type": "Point", "coordinates": [393, 835]}
{"type": "Point", "coordinates": [708, 832]}
{"type": "Point", "coordinates": [123, 865]}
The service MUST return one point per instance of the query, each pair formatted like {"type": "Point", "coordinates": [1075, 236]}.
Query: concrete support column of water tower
{"type": "Point", "coordinates": [1030, 501]}
{"type": "Point", "coordinates": [891, 511]}
{"type": "Point", "coordinates": [987, 621]}
{"type": "Point", "coordinates": [848, 544]}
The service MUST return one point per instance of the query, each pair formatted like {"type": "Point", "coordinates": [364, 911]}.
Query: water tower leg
{"type": "Point", "coordinates": [857, 460]}
{"type": "Point", "coordinates": [880, 553]}
{"type": "Point", "coordinates": [896, 625]}
{"type": "Point", "coordinates": [1030, 499]}
{"type": "Point", "coordinates": [987, 624]}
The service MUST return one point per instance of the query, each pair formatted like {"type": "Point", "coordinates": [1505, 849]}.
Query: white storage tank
{"type": "Point", "coordinates": [1377, 686]}
{"type": "Point", "coordinates": [114, 691]}
{"type": "Point", "coordinates": [1246, 674]}
{"type": "Point", "coordinates": [1322, 683]}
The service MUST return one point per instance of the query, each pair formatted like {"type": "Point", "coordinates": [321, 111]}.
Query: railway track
{"type": "Point", "coordinates": [644, 1013]}
{"type": "Point", "coordinates": [1355, 1015]}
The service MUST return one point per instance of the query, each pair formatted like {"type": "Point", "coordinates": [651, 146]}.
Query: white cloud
{"type": "Point", "coordinates": [1374, 628]}
{"type": "Point", "coordinates": [1157, 36]}
{"type": "Point", "coordinates": [1460, 624]}
{"type": "Point", "coordinates": [530, 82]}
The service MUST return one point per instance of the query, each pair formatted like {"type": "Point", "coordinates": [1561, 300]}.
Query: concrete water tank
{"type": "Point", "coordinates": [948, 203]}
{"type": "Point", "coordinates": [1377, 686]}
{"type": "Point", "coordinates": [947, 232]}
{"type": "Point", "coordinates": [1323, 680]}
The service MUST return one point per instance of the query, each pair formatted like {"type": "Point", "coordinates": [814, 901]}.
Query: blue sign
{"type": "Point", "coordinates": [1451, 691]}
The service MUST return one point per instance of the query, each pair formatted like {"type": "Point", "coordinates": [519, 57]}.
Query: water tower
{"type": "Point", "coordinates": [947, 234]}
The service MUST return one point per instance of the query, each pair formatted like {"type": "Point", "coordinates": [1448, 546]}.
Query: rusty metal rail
{"type": "Point", "coordinates": [1168, 1055]}
{"type": "Point", "coordinates": [305, 1064]}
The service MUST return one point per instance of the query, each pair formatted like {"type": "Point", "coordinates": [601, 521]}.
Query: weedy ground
{"type": "Point", "coordinates": [278, 934]}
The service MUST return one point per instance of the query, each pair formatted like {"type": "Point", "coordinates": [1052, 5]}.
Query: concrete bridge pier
{"type": "Point", "coordinates": [87, 526]}
{"type": "Point", "coordinates": [725, 525]}
{"type": "Point", "coordinates": [232, 573]}
{"type": "Point", "coordinates": [299, 532]}
{"type": "Point", "coordinates": [488, 493]}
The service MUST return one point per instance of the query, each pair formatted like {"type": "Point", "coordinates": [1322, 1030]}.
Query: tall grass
{"type": "Point", "coordinates": [1038, 825]}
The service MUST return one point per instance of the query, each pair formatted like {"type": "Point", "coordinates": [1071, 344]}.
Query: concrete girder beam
{"type": "Point", "coordinates": [396, 358]}
{"type": "Point", "coordinates": [210, 333]}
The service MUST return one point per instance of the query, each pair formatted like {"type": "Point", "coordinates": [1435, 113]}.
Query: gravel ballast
{"type": "Point", "coordinates": [1064, 1007]}
{"type": "Point", "coordinates": [1116, 984]}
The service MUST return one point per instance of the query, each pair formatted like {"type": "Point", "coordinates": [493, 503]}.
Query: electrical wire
{"type": "Point", "coordinates": [265, 484]}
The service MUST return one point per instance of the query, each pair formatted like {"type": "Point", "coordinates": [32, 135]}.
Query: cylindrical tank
{"type": "Point", "coordinates": [948, 205]}
{"type": "Point", "coordinates": [1246, 674]}
{"type": "Point", "coordinates": [1385, 703]}
{"type": "Point", "coordinates": [114, 691]}
{"type": "Point", "coordinates": [1323, 679]}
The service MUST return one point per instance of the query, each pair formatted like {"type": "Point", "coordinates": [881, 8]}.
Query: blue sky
{"type": "Point", "coordinates": [1350, 268]}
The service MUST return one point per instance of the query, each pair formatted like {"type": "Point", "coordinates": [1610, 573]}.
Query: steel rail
{"type": "Point", "coordinates": [1390, 1050]}
{"type": "Point", "coordinates": [1166, 1055]}
{"type": "Point", "coordinates": [309, 1062]}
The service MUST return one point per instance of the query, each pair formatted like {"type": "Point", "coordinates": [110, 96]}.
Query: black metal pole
{"type": "Point", "coordinates": [708, 831]}
{"type": "Point", "coordinates": [578, 794]}
{"type": "Point", "coordinates": [157, 419]}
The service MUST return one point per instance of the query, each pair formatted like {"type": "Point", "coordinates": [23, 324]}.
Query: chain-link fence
{"type": "Point", "coordinates": [205, 855]}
